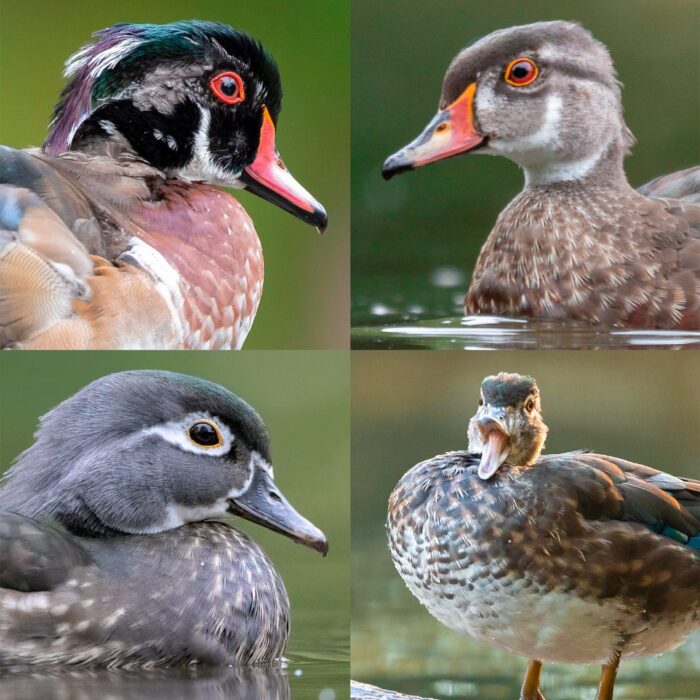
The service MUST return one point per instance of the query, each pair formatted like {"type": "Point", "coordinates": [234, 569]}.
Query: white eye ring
{"type": "Point", "coordinates": [178, 433]}
{"type": "Point", "coordinates": [200, 440]}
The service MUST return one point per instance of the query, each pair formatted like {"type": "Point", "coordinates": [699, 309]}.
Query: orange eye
{"type": "Point", "coordinates": [521, 72]}
{"type": "Point", "coordinates": [228, 88]}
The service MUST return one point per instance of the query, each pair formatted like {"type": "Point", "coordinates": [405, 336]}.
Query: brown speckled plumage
{"type": "Point", "coordinates": [565, 541]}
{"type": "Point", "coordinates": [588, 252]}
{"type": "Point", "coordinates": [578, 243]}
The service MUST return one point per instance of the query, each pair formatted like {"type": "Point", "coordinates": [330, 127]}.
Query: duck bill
{"type": "Point", "coordinates": [496, 441]}
{"type": "Point", "coordinates": [450, 133]}
{"type": "Point", "coordinates": [268, 178]}
{"type": "Point", "coordinates": [263, 504]}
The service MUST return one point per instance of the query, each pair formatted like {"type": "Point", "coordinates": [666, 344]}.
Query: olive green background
{"type": "Point", "coordinates": [303, 398]}
{"type": "Point", "coordinates": [440, 215]}
{"type": "Point", "coordinates": [305, 300]}
{"type": "Point", "coordinates": [408, 406]}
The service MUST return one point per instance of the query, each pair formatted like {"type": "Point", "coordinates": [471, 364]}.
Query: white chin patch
{"type": "Point", "coordinates": [202, 166]}
{"type": "Point", "coordinates": [177, 433]}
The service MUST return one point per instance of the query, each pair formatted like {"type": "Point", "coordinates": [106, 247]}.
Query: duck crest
{"type": "Point", "coordinates": [84, 69]}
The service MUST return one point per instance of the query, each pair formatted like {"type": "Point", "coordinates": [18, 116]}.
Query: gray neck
{"type": "Point", "coordinates": [603, 167]}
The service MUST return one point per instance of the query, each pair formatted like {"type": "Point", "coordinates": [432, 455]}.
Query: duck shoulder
{"type": "Point", "coordinates": [610, 488]}
{"type": "Point", "coordinates": [36, 556]}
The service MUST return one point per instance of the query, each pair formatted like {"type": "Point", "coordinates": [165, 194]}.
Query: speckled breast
{"type": "Point", "coordinates": [513, 561]}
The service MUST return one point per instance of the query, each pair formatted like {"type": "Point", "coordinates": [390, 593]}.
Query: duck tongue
{"type": "Point", "coordinates": [494, 453]}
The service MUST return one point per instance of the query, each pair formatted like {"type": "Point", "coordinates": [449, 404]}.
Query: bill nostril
{"type": "Point", "coordinates": [275, 496]}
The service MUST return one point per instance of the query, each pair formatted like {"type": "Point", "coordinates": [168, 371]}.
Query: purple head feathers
{"type": "Point", "coordinates": [83, 70]}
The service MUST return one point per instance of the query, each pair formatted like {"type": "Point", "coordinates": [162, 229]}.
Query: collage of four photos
{"type": "Point", "coordinates": [458, 453]}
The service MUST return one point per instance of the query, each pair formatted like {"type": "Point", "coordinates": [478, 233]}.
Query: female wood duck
{"type": "Point", "coordinates": [108, 552]}
{"type": "Point", "coordinates": [115, 234]}
{"type": "Point", "coordinates": [578, 242]}
{"type": "Point", "coordinates": [574, 557]}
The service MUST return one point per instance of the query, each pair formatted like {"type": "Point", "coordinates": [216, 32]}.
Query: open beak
{"type": "Point", "coordinates": [268, 178]}
{"type": "Point", "coordinates": [496, 439]}
{"type": "Point", "coordinates": [450, 133]}
{"type": "Point", "coordinates": [263, 504]}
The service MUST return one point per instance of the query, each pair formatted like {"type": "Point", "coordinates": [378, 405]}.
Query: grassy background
{"type": "Point", "coordinates": [441, 214]}
{"type": "Point", "coordinates": [305, 302]}
{"type": "Point", "coordinates": [303, 398]}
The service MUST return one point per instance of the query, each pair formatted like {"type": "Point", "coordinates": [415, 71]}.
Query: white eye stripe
{"type": "Point", "coordinates": [176, 433]}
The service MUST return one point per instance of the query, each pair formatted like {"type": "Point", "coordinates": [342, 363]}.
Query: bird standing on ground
{"type": "Point", "coordinates": [574, 558]}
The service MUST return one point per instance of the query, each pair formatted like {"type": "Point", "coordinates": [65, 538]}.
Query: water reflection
{"type": "Point", "coordinates": [498, 333]}
{"type": "Point", "coordinates": [424, 311]}
{"type": "Point", "coordinates": [254, 683]}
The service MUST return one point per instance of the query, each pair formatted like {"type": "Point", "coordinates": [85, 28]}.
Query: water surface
{"type": "Point", "coordinates": [396, 644]}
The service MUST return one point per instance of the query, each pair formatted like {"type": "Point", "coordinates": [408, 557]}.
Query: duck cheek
{"type": "Point", "coordinates": [232, 140]}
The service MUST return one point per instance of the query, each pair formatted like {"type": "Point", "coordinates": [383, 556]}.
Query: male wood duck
{"type": "Point", "coordinates": [109, 551]}
{"type": "Point", "coordinates": [578, 242]}
{"type": "Point", "coordinates": [574, 557]}
{"type": "Point", "coordinates": [115, 234]}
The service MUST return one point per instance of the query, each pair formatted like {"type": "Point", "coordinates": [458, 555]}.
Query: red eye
{"type": "Point", "coordinates": [228, 87]}
{"type": "Point", "coordinates": [521, 71]}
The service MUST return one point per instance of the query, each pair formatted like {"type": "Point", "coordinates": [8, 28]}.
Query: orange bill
{"type": "Point", "coordinates": [450, 133]}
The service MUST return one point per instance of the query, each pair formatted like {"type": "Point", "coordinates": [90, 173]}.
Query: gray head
{"type": "Point", "coordinates": [507, 426]}
{"type": "Point", "coordinates": [146, 451]}
{"type": "Point", "coordinates": [544, 95]}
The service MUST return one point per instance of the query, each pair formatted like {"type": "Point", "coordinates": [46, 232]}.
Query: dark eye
{"type": "Point", "coordinates": [205, 434]}
{"type": "Point", "coordinates": [530, 405]}
{"type": "Point", "coordinates": [521, 72]}
{"type": "Point", "coordinates": [228, 88]}
{"type": "Point", "coordinates": [481, 402]}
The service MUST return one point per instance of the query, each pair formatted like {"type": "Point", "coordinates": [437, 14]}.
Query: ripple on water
{"type": "Point", "coordinates": [500, 333]}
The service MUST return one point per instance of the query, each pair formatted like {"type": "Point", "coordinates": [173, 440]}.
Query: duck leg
{"type": "Point", "coordinates": [607, 677]}
{"type": "Point", "coordinates": [531, 684]}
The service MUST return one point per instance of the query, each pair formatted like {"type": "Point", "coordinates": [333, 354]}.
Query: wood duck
{"type": "Point", "coordinates": [115, 234]}
{"type": "Point", "coordinates": [110, 554]}
{"type": "Point", "coordinates": [574, 557]}
{"type": "Point", "coordinates": [578, 242]}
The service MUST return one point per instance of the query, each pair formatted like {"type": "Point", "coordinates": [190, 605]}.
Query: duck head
{"type": "Point", "coordinates": [143, 452]}
{"type": "Point", "coordinates": [197, 100]}
{"type": "Point", "coordinates": [507, 426]}
{"type": "Point", "coordinates": [544, 95]}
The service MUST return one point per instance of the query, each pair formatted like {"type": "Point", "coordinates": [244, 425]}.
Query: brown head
{"type": "Point", "coordinates": [507, 426]}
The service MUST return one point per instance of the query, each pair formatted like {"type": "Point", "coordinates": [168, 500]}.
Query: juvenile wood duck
{"type": "Point", "coordinates": [110, 554]}
{"type": "Point", "coordinates": [574, 557]}
{"type": "Point", "coordinates": [578, 242]}
{"type": "Point", "coordinates": [115, 234]}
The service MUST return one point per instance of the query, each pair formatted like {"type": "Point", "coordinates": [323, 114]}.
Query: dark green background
{"type": "Point", "coordinates": [305, 300]}
{"type": "Point", "coordinates": [408, 406]}
{"type": "Point", "coordinates": [304, 399]}
{"type": "Point", "coordinates": [441, 214]}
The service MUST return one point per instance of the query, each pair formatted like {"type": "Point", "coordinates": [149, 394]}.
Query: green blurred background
{"type": "Point", "coordinates": [406, 232]}
{"type": "Point", "coordinates": [304, 399]}
{"type": "Point", "coordinates": [409, 406]}
{"type": "Point", "coordinates": [305, 301]}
